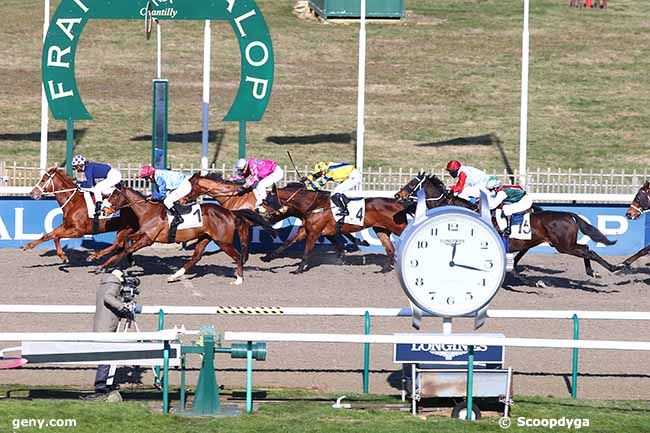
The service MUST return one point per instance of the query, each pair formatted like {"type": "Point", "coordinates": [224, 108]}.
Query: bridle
{"type": "Point", "coordinates": [412, 191]}
{"type": "Point", "coordinates": [50, 182]}
{"type": "Point", "coordinates": [640, 208]}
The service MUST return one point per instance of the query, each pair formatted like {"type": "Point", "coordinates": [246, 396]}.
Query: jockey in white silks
{"type": "Point", "coordinates": [470, 181]}
{"type": "Point", "coordinates": [512, 199]}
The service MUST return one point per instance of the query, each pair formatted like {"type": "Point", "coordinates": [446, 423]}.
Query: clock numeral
{"type": "Point", "coordinates": [451, 300]}
{"type": "Point", "coordinates": [434, 232]}
{"type": "Point", "coordinates": [489, 264]}
{"type": "Point", "coordinates": [414, 263]}
{"type": "Point", "coordinates": [452, 227]}
{"type": "Point", "coordinates": [423, 244]}
{"type": "Point", "coordinates": [433, 295]}
{"type": "Point", "coordinates": [469, 296]}
{"type": "Point", "coordinates": [419, 281]}
{"type": "Point", "coordinates": [471, 232]}
{"type": "Point", "coordinates": [484, 245]}
{"type": "Point", "coordinates": [483, 282]}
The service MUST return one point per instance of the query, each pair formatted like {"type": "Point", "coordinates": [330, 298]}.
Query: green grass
{"type": "Point", "coordinates": [450, 70]}
{"type": "Point", "coordinates": [303, 411]}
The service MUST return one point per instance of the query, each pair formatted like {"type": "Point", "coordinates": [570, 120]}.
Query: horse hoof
{"type": "Point", "coordinates": [64, 259]}
{"type": "Point", "coordinates": [177, 276]}
{"type": "Point", "coordinates": [267, 258]}
{"type": "Point", "coordinates": [541, 284]}
{"type": "Point", "coordinates": [238, 281]}
{"type": "Point", "coordinates": [99, 271]}
{"type": "Point", "coordinates": [90, 259]}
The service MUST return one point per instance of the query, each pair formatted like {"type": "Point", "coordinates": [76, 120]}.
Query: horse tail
{"type": "Point", "coordinates": [256, 219]}
{"type": "Point", "coordinates": [590, 230]}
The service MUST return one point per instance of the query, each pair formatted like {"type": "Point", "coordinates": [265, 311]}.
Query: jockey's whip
{"type": "Point", "coordinates": [294, 165]}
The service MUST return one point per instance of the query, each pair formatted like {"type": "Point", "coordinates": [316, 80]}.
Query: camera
{"type": "Point", "coordinates": [129, 289]}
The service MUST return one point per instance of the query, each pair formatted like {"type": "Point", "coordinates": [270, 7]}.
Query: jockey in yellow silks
{"type": "Point", "coordinates": [346, 175]}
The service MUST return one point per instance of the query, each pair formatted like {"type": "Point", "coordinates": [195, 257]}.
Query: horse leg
{"type": "Point", "coordinates": [312, 237]}
{"type": "Point", "coordinates": [199, 248]}
{"type": "Point", "coordinates": [237, 257]}
{"type": "Point", "coordinates": [143, 241]}
{"type": "Point", "coordinates": [384, 238]}
{"type": "Point", "coordinates": [56, 234]}
{"type": "Point", "coordinates": [584, 252]}
{"type": "Point", "coordinates": [635, 257]}
{"type": "Point", "coordinates": [243, 232]}
{"type": "Point", "coordinates": [298, 236]}
{"type": "Point", "coordinates": [340, 249]}
{"type": "Point", "coordinates": [120, 242]}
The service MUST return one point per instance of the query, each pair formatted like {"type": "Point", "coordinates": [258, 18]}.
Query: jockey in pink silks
{"type": "Point", "coordinates": [260, 174]}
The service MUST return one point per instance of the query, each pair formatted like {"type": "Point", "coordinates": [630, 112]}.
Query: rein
{"type": "Point", "coordinates": [55, 192]}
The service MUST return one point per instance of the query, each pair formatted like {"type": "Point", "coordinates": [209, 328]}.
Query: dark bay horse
{"type": "Point", "coordinates": [640, 205]}
{"type": "Point", "coordinates": [219, 226]}
{"type": "Point", "coordinates": [559, 229]}
{"type": "Point", "coordinates": [76, 222]}
{"type": "Point", "coordinates": [384, 216]}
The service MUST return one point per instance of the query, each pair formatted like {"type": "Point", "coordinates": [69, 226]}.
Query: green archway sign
{"type": "Point", "coordinates": [60, 47]}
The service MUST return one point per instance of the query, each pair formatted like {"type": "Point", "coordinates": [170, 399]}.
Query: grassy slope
{"type": "Point", "coordinates": [451, 70]}
{"type": "Point", "coordinates": [310, 416]}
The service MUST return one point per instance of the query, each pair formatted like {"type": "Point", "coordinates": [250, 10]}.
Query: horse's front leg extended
{"type": "Point", "coordinates": [143, 241]}
{"type": "Point", "coordinates": [297, 236]}
{"type": "Point", "coordinates": [120, 242]}
{"type": "Point", "coordinates": [60, 232]}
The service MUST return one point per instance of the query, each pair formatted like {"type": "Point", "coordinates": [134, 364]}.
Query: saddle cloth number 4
{"type": "Point", "coordinates": [357, 209]}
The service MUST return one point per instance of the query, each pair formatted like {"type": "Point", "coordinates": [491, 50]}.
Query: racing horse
{"type": "Point", "coordinates": [219, 225]}
{"type": "Point", "coordinates": [559, 229]}
{"type": "Point", "coordinates": [384, 216]}
{"type": "Point", "coordinates": [76, 222]}
{"type": "Point", "coordinates": [640, 205]}
{"type": "Point", "coordinates": [225, 192]}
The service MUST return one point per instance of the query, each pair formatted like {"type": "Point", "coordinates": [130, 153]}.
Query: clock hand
{"type": "Point", "coordinates": [467, 267]}
{"type": "Point", "coordinates": [453, 252]}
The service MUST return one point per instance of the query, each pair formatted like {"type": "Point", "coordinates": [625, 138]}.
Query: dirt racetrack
{"type": "Point", "coordinates": [37, 277]}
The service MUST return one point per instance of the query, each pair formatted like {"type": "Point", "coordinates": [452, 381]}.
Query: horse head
{"type": "Point", "coordinates": [117, 199]}
{"type": "Point", "coordinates": [53, 180]}
{"type": "Point", "coordinates": [641, 202]}
{"type": "Point", "coordinates": [407, 195]}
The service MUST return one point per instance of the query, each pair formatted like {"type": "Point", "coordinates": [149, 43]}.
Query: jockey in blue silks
{"type": "Point", "coordinates": [100, 178]}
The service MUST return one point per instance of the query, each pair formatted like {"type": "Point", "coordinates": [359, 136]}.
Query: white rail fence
{"type": "Point", "coordinates": [17, 177]}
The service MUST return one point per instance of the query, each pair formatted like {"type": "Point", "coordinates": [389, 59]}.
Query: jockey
{"type": "Point", "coordinates": [94, 171]}
{"type": "Point", "coordinates": [171, 186]}
{"type": "Point", "coordinates": [470, 180]}
{"type": "Point", "coordinates": [511, 198]}
{"type": "Point", "coordinates": [260, 174]}
{"type": "Point", "coordinates": [346, 175]}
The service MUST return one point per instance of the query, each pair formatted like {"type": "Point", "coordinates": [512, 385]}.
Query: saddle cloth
{"type": "Point", "coordinates": [520, 226]}
{"type": "Point", "coordinates": [191, 219]}
{"type": "Point", "coordinates": [357, 209]}
{"type": "Point", "coordinates": [90, 206]}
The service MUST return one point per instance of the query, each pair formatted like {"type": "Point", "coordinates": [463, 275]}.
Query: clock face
{"type": "Point", "coordinates": [452, 263]}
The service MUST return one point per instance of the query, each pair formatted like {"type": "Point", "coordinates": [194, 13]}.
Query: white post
{"type": "Point", "coordinates": [446, 325]}
{"type": "Point", "coordinates": [207, 38]}
{"type": "Point", "coordinates": [44, 105]}
{"type": "Point", "coordinates": [523, 115]}
{"type": "Point", "coordinates": [158, 49]}
{"type": "Point", "coordinates": [361, 89]}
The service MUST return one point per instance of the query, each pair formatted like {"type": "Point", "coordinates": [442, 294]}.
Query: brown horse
{"type": "Point", "coordinates": [640, 205]}
{"type": "Point", "coordinates": [219, 226]}
{"type": "Point", "coordinates": [76, 222]}
{"type": "Point", "coordinates": [559, 229]}
{"type": "Point", "coordinates": [385, 216]}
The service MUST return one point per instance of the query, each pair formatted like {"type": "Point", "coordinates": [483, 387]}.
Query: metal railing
{"type": "Point", "coordinates": [540, 181]}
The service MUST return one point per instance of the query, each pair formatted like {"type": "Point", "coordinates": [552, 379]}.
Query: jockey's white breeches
{"type": "Point", "coordinates": [522, 205]}
{"type": "Point", "coordinates": [183, 189]}
{"type": "Point", "coordinates": [353, 180]}
{"type": "Point", "coordinates": [113, 177]}
{"type": "Point", "coordinates": [472, 191]}
{"type": "Point", "coordinates": [267, 182]}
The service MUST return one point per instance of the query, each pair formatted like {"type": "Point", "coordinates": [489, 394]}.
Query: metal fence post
{"type": "Point", "coordinates": [574, 374]}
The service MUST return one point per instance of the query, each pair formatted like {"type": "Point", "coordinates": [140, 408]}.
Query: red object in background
{"type": "Point", "coordinates": [588, 4]}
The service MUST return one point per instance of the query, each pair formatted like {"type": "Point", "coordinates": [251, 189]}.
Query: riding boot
{"type": "Point", "coordinates": [508, 229]}
{"type": "Point", "coordinates": [177, 213]}
{"type": "Point", "coordinates": [339, 226]}
{"type": "Point", "coordinates": [98, 211]}
{"type": "Point", "coordinates": [178, 219]}
{"type": "Point", "coordinates": [341, 202]}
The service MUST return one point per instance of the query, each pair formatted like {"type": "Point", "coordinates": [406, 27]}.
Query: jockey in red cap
{"type": "Point", "coordinates": [469, 182]}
